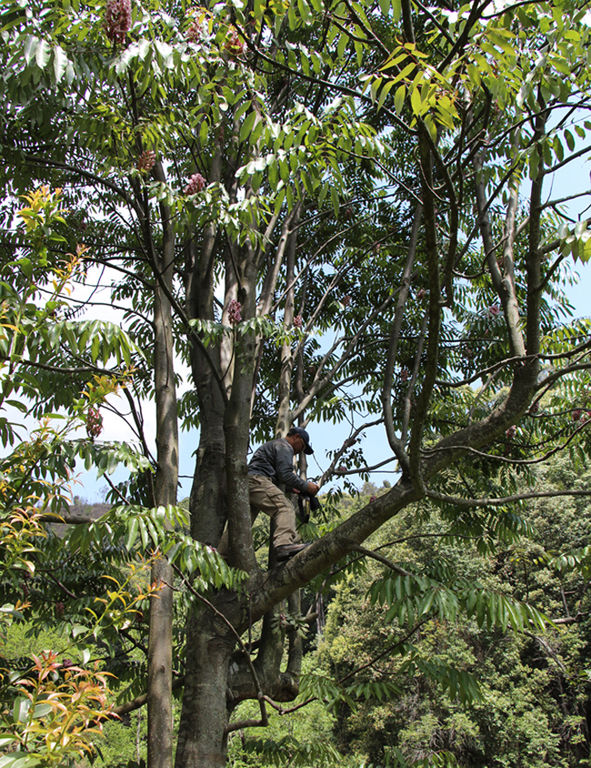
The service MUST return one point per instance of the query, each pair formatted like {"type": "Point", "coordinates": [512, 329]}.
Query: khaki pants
{"type": "Point", "coordinates": [266, 497]}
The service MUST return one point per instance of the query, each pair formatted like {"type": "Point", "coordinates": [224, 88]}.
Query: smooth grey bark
{"type": "Point", "coordinates": [245, 681]}
{"type": "Point", "coordinates": [210, 642]}
{"type": "Point", "coordinates": [287, 356]}
{"type": "Point", "coordinates": [202, 730]}
{"type": "Point", "coordinates": [165, 490]}
{"type": "Point", "coordinates": [396, 443]}
{"type": "Point", "coordinates": [207, 500]}
{"type": "Point", "coordinates": [160, 669]}
{"type": "Point", "coordinates": [237, 426]}
{"type": "Point", "coordinates": [208, 492]}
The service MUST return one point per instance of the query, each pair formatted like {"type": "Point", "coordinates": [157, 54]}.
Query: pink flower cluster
{"type": "Point", "coordinates": [196, 184]}
{"type": "Point", "coordinates": [234, 44]}
{"type": "Point", "coordinates": [146, 160]}
{"type": "Point", "coordinates": [298, 321]}
{"type": "Point", "coordinates": [234, 311]}
{"type": "Point", "coordinates": [194, 33]}
{"type": "Point", "coordinates": [118, 20]}
{"type": "Point", "coordinates": [578, 414]}
{"type": "Point", "coordinates": [94, 423]}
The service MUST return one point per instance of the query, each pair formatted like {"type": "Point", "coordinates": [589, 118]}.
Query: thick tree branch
{"type": "Point", "coordinates": [397, 444]}
{"type": "Point", "coordinates": [434, 309]}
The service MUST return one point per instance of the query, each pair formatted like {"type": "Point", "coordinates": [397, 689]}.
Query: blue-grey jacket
{"type": "Point", "coordinates": [275, 460]}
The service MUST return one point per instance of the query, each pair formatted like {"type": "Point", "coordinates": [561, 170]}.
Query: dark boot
{"type": "Point", "coordinates": [286, 551]}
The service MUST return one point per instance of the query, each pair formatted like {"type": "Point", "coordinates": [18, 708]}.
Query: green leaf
{"type": "Point", "coordinates": [334, 196]}
{"type": "Point", "coordinates": [384, 93]}
{"type": "Point", "coordinates": [143, 533]}
{"type": "Point", "coordinates": [375, 86]}
{"type": "Point", "coordinates": [415, 101]}
{"type": "Point", "coordinates": [42, 709]}
{"type": "Point", "coordinates": [342, 45]}
{"type": "Point", "coordinates": [59, 63]}
{"type": "Point", "coordinates": [20, 760]}
{"type": "Point", "coordinates": [30, 47]}
{"type": "Point", "coordinates": [203, 132]}
{"type": "Point", "coordinates": [42, 54]}
{"type": "Point", "coordinates": [247, 125]}
{"type": "Point", "coordinates": [399, 97]}
{"type": "Point", "coordinates": [404, 72]}
{"type": "Point", "coordinates": [26, 267]}
{"type": "Point", "coordinates": [132, 533]}
{"type": "Point", "coordinates": [305, 13]}
{"type": "Point", "coordinates": [20, 709]}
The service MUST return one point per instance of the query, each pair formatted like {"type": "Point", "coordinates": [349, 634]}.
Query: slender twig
{"type": "Point", "coordinates": [380, 558]}
{"type": "Point", "coordinates": [503, 459]}
{"type": "Point", "coordinates": [396, 444]}
{"type": "Point", "coordinates": [350, 441]}
{"type": "Point", "coordinates": [458, 501]}
{"type": "Point", "coordinates": [115, 489]}
{"type": "Point", "coordinates": [85, 174]}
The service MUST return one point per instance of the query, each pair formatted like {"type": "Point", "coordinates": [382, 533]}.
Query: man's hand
{"type": "Point", "coordinates": [312, 488]}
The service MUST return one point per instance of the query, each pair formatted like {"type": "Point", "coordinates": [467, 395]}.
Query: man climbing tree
{"type": "Point", "coordinates": [272, 467]}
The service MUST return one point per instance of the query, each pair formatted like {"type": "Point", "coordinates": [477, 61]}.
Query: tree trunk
{"type": "Point", "coordinates": [283, 422]}
{"type": "Point", "coordinates": [160, 669]}
{"type": "Point", "coordinates": [165, 490]}
{"type": "Point", "coordinates": [220, 486]}
{"type": "Point", "coordinates": [202, 738]}
{"type": "Point", "coordinates": [207, 503]}
{"type": "Point", "coordinates": [208, 492]}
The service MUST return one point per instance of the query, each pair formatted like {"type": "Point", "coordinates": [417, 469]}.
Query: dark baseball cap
{"type": "Point", "coordinates": [301, 432]}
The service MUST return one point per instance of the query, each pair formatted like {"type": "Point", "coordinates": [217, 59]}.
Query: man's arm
{"type": "Point", "coordinates": [286, 475]}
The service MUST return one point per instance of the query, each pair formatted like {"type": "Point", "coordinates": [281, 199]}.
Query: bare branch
{"type": "Point", "coordinates": [77, 170]}
{"type": "Point", "coordinates": [503, 459]}
{"type": "Point", "coordinates": [381, 559]}
{"type": "Point", "coordinates": [350, 441]}
{"type": "Point", "coordinates": [395, 443]}
{"type": "Point", "coordinates": [491, 501]}
{"type": "Point", "coordinates": [321, 381]}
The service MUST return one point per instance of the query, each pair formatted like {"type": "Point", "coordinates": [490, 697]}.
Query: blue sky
{"type": "Point", "coordinates": [324, 437]}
